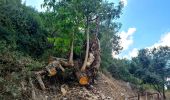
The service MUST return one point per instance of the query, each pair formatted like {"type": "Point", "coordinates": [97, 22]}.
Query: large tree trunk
{"type": "Point", "coordinates": [97, 54]}
{"type": "Point", "coordinates": [96, 47]}
{"type": "Point", "coordinates": [83, 68]}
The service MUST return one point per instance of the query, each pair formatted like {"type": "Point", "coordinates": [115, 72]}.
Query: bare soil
{"type": "Point", "coordinates": [105, 88]}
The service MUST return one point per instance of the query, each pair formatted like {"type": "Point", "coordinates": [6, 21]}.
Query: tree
{"type": "Point", "coordinates": [88, 12]}
{"type": "Point", "coordinates": [153, 68]}
{"type": "Point", "coordinates": [108, 29]}
{"type": "Point", "coordinates": [161, 56]}
{"type": "Point", "coordinates": [67, 28]}
{"type": "Point", "coordinates": [85, 17]}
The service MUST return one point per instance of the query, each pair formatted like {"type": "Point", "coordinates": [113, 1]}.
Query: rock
{"type": "Point", "coordinates": [102, 96]}
{"type": "Point", "coordinates": [122, 94]}
{"type": "Point", "coordinates": [64, 98]}
{"type": "Point", "coordinates": [64, 89]}
{"type": "Point", "coordinates": [95, 97]}
{"type": "Point", "coordinates": [46, 97]}
{"type": "Point", "coordinates": [108, 97]}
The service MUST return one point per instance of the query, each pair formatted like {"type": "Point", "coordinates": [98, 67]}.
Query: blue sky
{"type": "Point", "coordinates": [146, 23]}
{"type": "Point", "coordinates": [149, 21]}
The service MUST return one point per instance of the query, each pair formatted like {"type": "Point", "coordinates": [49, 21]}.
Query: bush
{"type": "Point", "coordinates": [168, 87]}
{"type": "Point", "coordinates": [15, 67]}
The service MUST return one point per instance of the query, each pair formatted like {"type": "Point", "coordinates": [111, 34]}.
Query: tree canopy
{"type": "Point", "coordinates": [151, 66]}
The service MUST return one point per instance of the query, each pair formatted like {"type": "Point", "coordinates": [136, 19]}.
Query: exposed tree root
{"type": "Point", "coordinates": [60, 65]}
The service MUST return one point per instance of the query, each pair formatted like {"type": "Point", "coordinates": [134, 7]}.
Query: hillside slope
{"type": "Point", "coordinates": [104, 89]}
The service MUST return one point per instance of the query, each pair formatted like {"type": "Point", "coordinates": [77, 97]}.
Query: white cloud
{"type": "Point", "coordinates": [133, 53]}
{"type": "Point", "coordinates": [126, 41]}
{"type": "Point", "coordinates": [127, 38]}
{"type": "Point", "coordinates": [124, 2]}
{"type": "Point", "coordinates": [164, 41]}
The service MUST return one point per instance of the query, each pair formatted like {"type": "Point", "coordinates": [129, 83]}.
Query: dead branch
{"type": "Point", "coordinates": [32, 89]}
{"type": "Point", "coordinates": [38, 77]}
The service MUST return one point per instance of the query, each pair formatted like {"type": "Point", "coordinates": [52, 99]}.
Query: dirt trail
{"type": "Point", "coordinates": [116, 89]}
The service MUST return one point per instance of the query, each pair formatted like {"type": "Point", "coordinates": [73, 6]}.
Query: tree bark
{"type": "Point", "coordinates": [97, 54]}
{"type": "Point", "coordinates": [71, 51]}
{"type": "Point", "coordinates": [83, 68]}
{"type": "Point", "coordinates": [97, 50]}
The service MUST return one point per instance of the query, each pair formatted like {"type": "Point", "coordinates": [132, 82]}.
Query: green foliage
{"type": "Point", "coordinates": [21, 35]}
{"type": "Point", "coordinates": [155, 62]}
{"type": "Point", "coordinates": [75, 15]}
{"type": "Point", "coordinates": [151, 66]}
{"type": "Point", "coordinates": [65, 30]}
{"type": "Point", "coordinates": [21, 25]}
{"type": "Point", "coordinates": [108, 29]}
{"type": "Point", "coordinates": [120, 69]}
{"type": "Point", "coordinates": [148, 70]}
